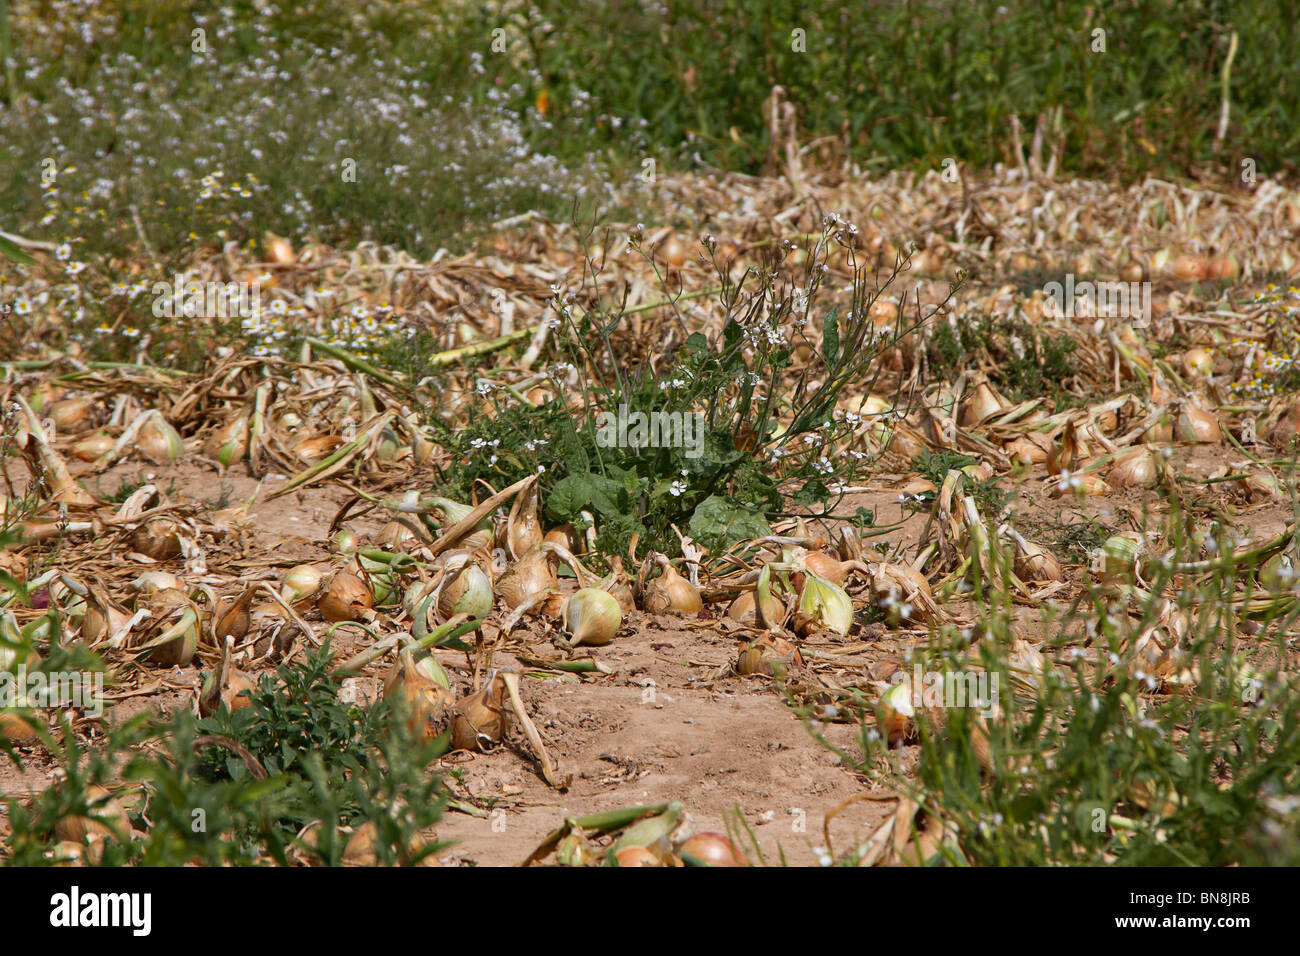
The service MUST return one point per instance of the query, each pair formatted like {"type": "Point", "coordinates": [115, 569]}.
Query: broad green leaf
{"type": "Point", "coordinates": [722, 520]}
{"type": "Point", "coordinates": [11, 251]}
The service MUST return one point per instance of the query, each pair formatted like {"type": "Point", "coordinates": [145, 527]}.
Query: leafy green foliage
{"type": "Point", "coordinates": [239, 788]}
{"type": "Point", "coordinates": [1022, 361]}
{"type": "Point", "coordinates": [987, 493]}
{"type": "Point", "coordinates": [733, 433]}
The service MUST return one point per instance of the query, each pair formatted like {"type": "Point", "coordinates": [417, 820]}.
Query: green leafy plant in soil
{"type": "Point", "coordinates": [770, 439]}
{"type": "Point", "coordinates": [1022, 361]}
{"type": "Point", "coordinates": [240, 788]}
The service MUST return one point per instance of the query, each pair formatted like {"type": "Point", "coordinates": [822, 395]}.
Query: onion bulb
{"type": "Point", "coordinates": [152, 581]}
{"type": "Point", "coordinates": [1198, 362]}
{"type": "Point", "coordinates": [158, 538]}
{"type": "Point", "coordinates": [829, 567]}
{"type": "Point", "coordinates": [171, 636]}
{"type": "Point", "coordinates": [299, 583]}
{"type": "Point", "coordinates": [1195, 424]}
{"type": "Point", "coordinates": [1034, 562]}
{"type": "Point", "coordinates": [13, 566]}
{"type": "Point", "coordinates": [70, 413]}
{"type": "Point", "coordinates": [823, 604]}
{"type": "Point", "coordinates": [711, 849]}
{"type": "Point", "coordinates": [470, 592]}
{"type": "Point", "coordinates": [637, 856]}
{"type": "Point", "coordinates": [229, 443]}
{"type": "Point", "coordinates": [1066, 454]}
{"type": "Point", "coordinates": [529, 576]}
{"type": "Point", "coordinates": [983, 402]}
{"type": "Point", "coordinates": [1119, 555]}
{"type": "Point", "coordinates": [592, 616]}
{"type": "Point", "coordinates": [670, 592]}
{"type": "Point", "coordinates": [18, 726]}
{"type": "Point", "coordinates": [481, 719]}
{"type": "Point", "coordinates": [93, 446]}
{"type": "Point", "coordinates": [345, 598]}
{"type": "Point", "coordinates": [158, 440]}
{"type": "Point", "coordinates": [233, 618]}
{"type": "Point", "coordinates": [423, 691]}
{"type": "Point", "coordinates": [895, 713]}
{"type": "Point", "coordinates": [1135, 468]}
{"type": "Point", "coordinates": [674, 252]}
{"type": "Point", "coordinates": [760, 606]}
{"type": "Point", "coordinates": [107, 818]}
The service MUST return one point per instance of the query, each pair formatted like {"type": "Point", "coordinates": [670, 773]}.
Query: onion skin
{"type": "Point", "coordinates": [158, 538]}
{"type": "Point", "coordinates": [637, 856]}
{"type": "Point", "coordinates": [711, 849]}
{"type": "Point", "coordinates": [481, 719]}
{"type": "Point", "coordinates": [91, 447]}
{"type": "Point", "coordinates": [592, 616]}
{"type": "Point", "coordinates": [106, 814]}
{"type": "Point", "coordinates": [16, 727]}
{"type": "Point", "coordinates": [895, 713]}
{"type": "Point", "coordinates": [346, 598]}
{"type": "Point", "coordinates": [671, 593]}
{"type": "Point", "coordinates": [300, 582]}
